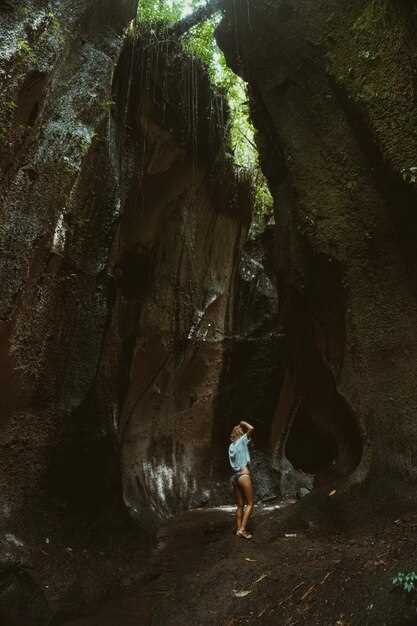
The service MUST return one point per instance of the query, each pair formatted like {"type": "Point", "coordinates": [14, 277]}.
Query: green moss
{"type": "Point", "coordinates": [107, 105]}
{"type": "Point", "coordinates": [375, 11]}
{"type": "Point", "coordinates": [55, 26]}
{"type": "Point", "coordinates": [24, 50]}
{"type": "Point", "coordinates": [23, 11]}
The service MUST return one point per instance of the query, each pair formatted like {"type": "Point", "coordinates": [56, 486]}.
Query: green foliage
{"type": "Point", "coordinates": [160, 10]}
{"type": "Point", "coordinates": [405, 580]}
{"type": "Point", "coordinates": [200, 41]}
{"type": "Point", "coordinates": [263, 206]}
{"type": "Point", "coordinates": [373, 13]}
{"type": "Point", "coordinates": [23, 49]}
{"type": "Point", "coordinates": [55, 25]}
{"type": "Point", "coordinates": [23, 11]}
{"type": "Point", "coordinates": [107, 104]}
{"type": "Point", "coordinates": [409, 175]}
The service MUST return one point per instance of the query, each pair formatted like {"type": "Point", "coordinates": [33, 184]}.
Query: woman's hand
{"type": "Point", "coordinates": [247, 427]}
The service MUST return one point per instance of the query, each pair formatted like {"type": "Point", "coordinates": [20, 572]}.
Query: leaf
{"type": "Point", "coordinates": [241, 594]}
{"type": "Point", "coordinates": [258, 580]}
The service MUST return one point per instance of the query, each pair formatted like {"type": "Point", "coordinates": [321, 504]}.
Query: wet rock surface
{"type": "Point", "coordinates": [331, 98]}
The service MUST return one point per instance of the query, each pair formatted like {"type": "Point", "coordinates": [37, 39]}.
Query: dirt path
{"type": "Point", "coordinates": [200, 574]}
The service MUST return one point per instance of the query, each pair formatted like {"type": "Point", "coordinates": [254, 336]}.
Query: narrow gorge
{"type": "Point", "coordinates": [142, 316]}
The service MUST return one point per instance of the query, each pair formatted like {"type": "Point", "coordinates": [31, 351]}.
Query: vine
{"type": "Point", "coordinates": [200, 41]}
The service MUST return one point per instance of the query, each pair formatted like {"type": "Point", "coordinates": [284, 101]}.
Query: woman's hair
{"type": "Point", "coordinates": [236, 433]}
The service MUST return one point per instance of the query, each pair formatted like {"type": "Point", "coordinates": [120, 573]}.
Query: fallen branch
{"type": "Point", "coordinates": [292, 593]}
{"type": "Point", "coordinates": [307, 593]}
{"type": "Point", "coordinates": [325, 578]}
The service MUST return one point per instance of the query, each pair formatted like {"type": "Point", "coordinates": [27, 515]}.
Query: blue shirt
{"type": "Point", "coordinates": [239, 453]}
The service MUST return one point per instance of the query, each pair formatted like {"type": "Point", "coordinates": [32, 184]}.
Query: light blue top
{"type": "Point", "coordinates": [239, 453]}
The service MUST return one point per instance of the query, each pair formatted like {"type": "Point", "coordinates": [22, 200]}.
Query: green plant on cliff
{"type": "Point", "coordinates": [107, 104]}
{"type": "Point", "coordinates": [373, 12]}
{"type": "Point", "coordinates": [23, 11]}
{"type": "Point", "coordinates": [55, 26]}
{"type": "Point", "coordinates": [160, 10]}
{"type": "Point", "coordinates": [24, 50]}
{"type": "Point", "coordinates": [405, 581]}
{"type": "Point", "coordinates": [200, 41]}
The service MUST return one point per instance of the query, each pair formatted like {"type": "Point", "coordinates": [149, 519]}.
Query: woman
{"type": "Point", "coordinates": [241, 480]}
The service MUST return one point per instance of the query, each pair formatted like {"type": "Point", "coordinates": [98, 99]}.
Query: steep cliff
{"type": "Point", "coordinates": [175, 259]}
{"type": "Point", "coordinates": [333, 98]}
{"type": "Point", "coordinates": [59, 206]}
{"type": "Point", "coordinates": [122, 221]}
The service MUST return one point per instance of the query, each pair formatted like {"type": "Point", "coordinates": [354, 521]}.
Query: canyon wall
{"type": "Point", "coordinates": [333, 98]}
{"type": "Point", "coordinates": [175, 258]}
{"type": "Point", "coordinates": [59, 206]}
{"type": "Point", "coordinates": [59, 199]}
{"type": "Point", "coordinates": [122, 222]}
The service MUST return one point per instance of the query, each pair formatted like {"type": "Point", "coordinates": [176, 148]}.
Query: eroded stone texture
{"type": "Point", "coordinates": [58, 204]}
{"type": "Point", "coordinates": [175, 257]}
{"type": "Point", "coordinates": [58, 208]}
{"type": "Point", "coordinates": [333, 91]}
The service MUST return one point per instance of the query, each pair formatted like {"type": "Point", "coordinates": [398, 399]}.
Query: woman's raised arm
{"type": "Point", "coordinates": [248, 428]}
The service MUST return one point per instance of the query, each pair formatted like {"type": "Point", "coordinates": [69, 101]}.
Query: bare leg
{"type": "Point", "coordinates": [245, 485]}
{"type": "Point", "coordinates": [239, 505]}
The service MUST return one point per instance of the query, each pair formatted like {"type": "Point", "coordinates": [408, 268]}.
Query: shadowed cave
{"type": "Point", "coordinates": [308, 448]}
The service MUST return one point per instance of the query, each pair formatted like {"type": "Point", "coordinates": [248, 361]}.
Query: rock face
{"type": "Point", "coordinates": [332, 89]}
{"type": "Point", "coordinates": [59, 205]}
{"type": "Point", "coordinates": [184, 219]}
{"type": "Point", "coordinates": [121, 231]}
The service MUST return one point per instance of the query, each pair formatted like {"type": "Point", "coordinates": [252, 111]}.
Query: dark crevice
{"type": "Point", "coordinates": [316, 350]}
{"type": "Point", "coordinates": [28, 105]}
{"type": "Point", "coordinates": [309, 447]}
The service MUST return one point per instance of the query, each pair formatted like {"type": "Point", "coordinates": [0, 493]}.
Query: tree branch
{"type": "Point", "coordinates": [200, 15]}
